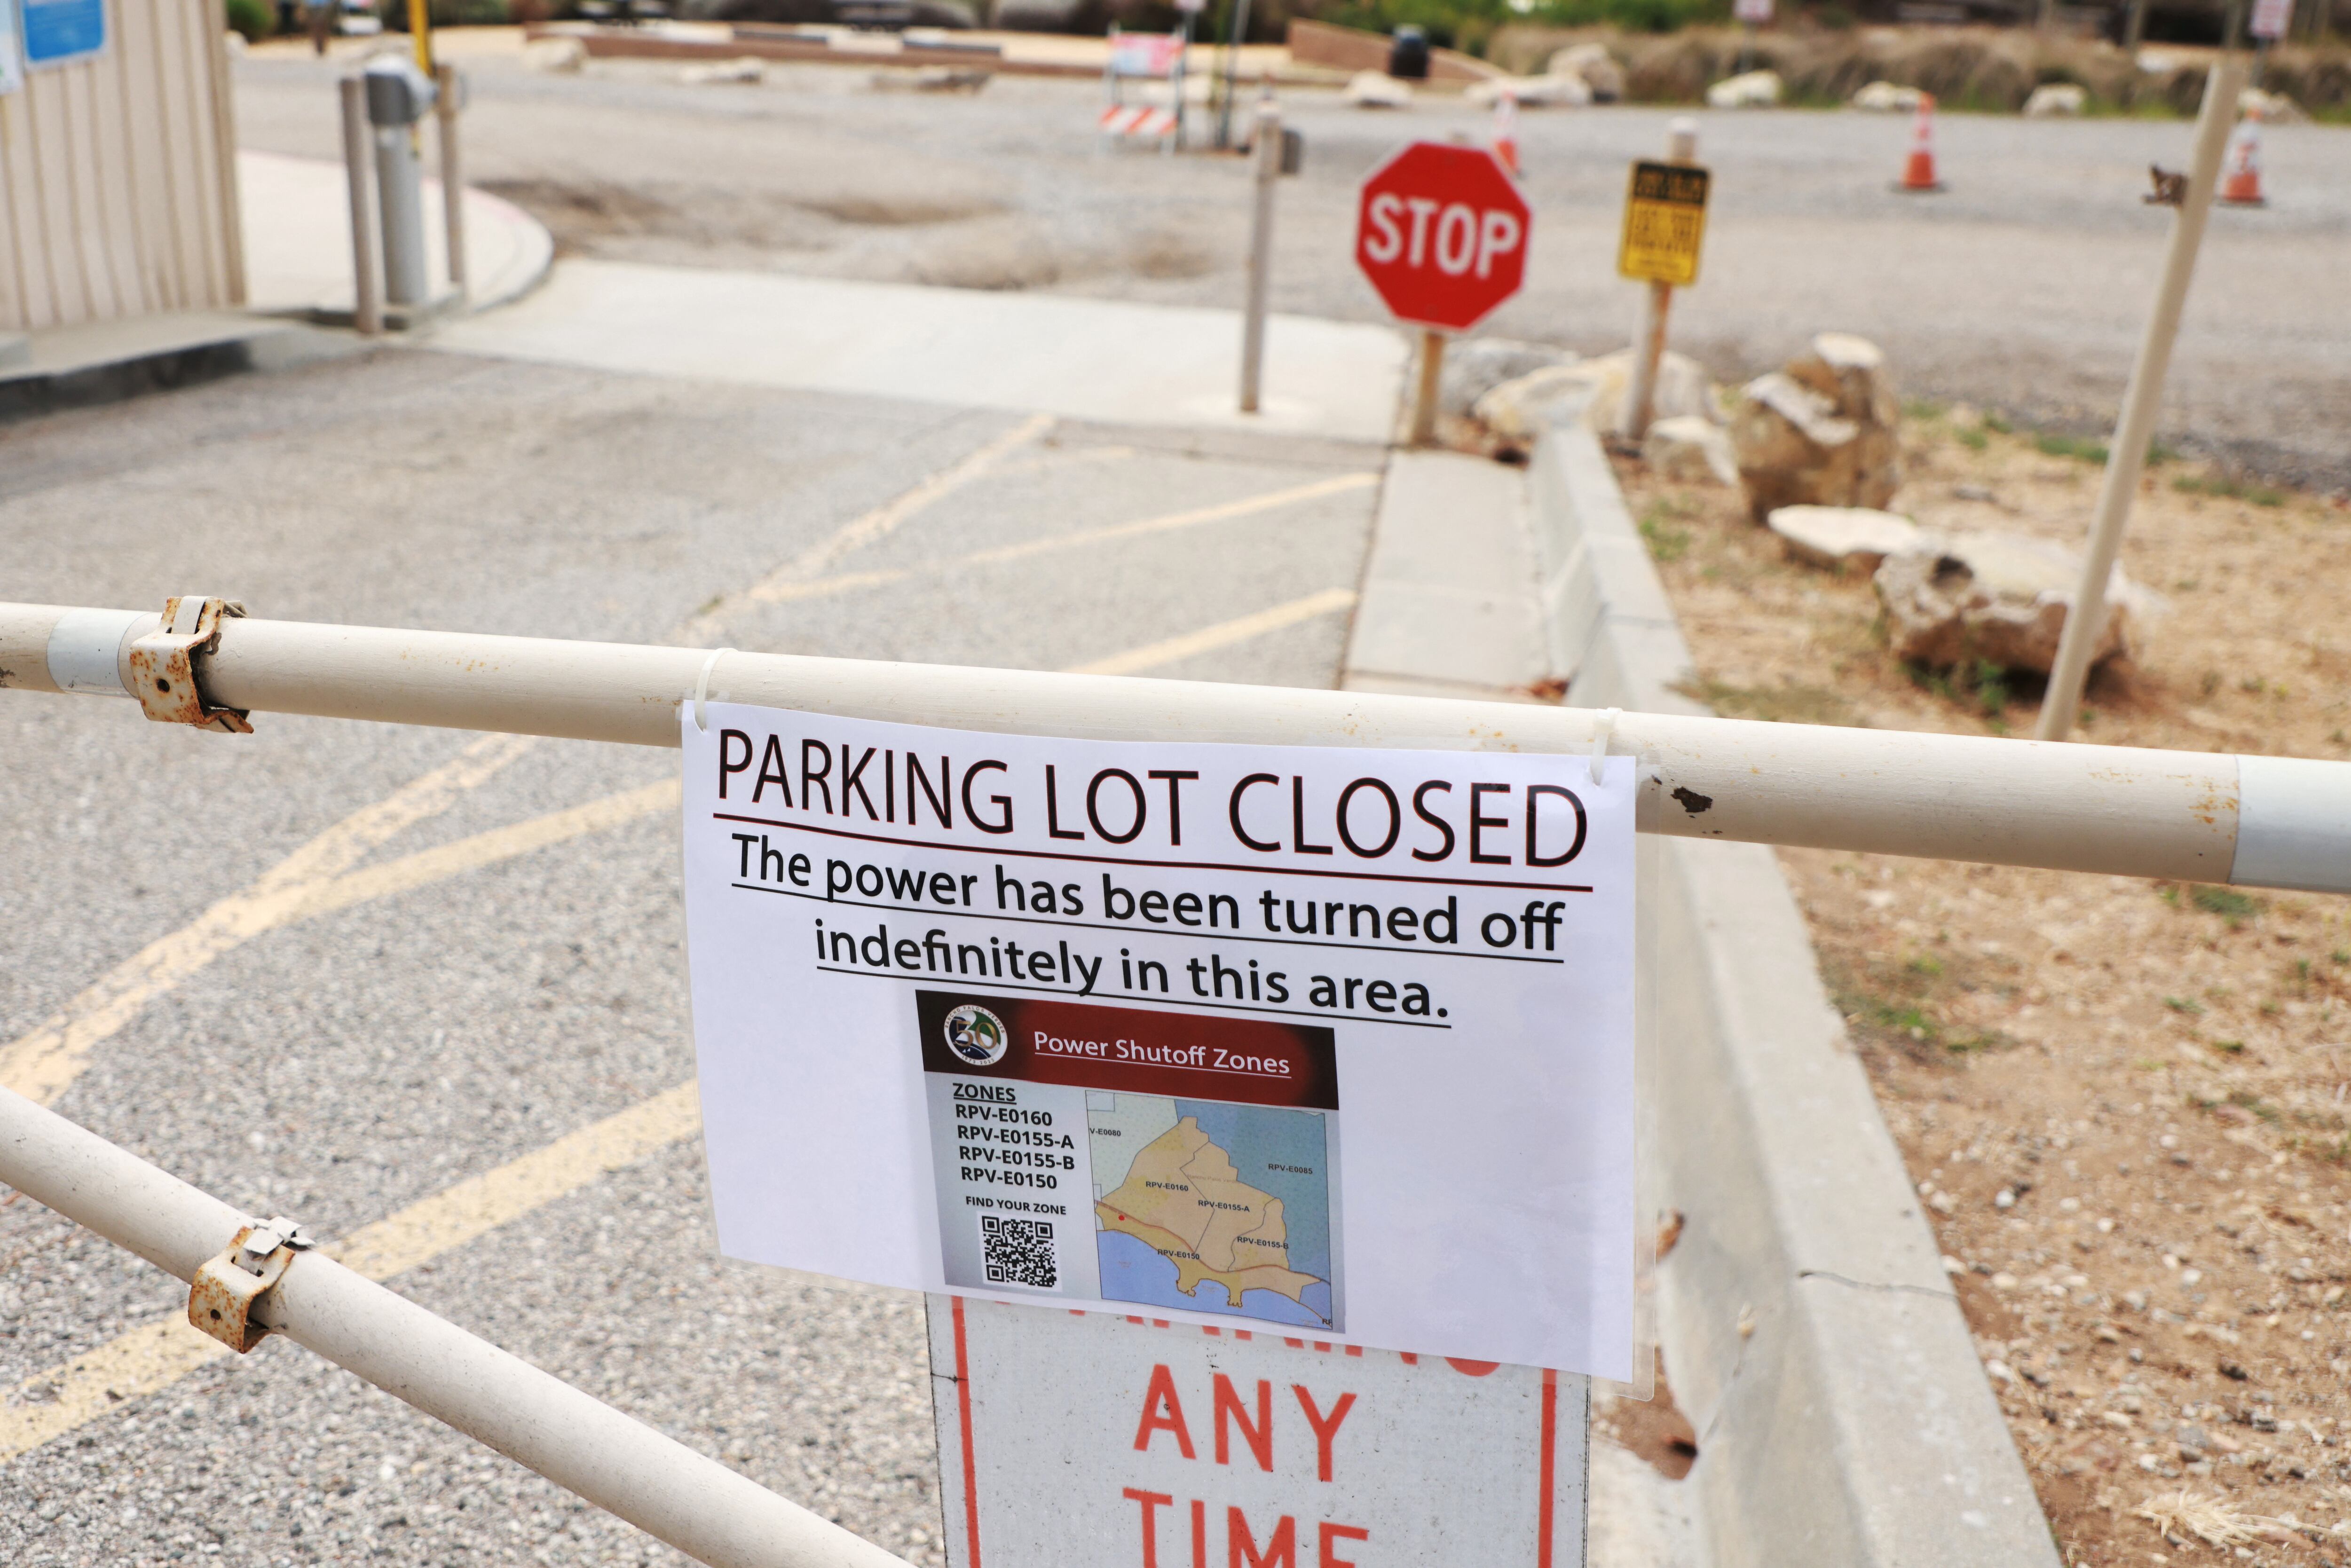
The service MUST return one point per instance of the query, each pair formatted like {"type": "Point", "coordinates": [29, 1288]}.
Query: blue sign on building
{"type": "Point", "coordinates": [57, 31]}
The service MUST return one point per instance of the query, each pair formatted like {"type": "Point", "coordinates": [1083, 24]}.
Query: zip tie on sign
{"type": "Point", "coordinates": [701, 689]}
{"type": "Point", "coordinates": [1603, 730]}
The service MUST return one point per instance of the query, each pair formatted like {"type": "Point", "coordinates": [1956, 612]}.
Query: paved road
{"type": "Point", "coordinates": [2023, 287]}
{"type": "Point", "coordinates": [349, 1065]}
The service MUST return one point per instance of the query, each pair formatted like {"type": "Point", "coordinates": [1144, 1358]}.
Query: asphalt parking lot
{"type": "Point", "coordinates": [228, 955]}
{"type": "Point", "coordinates": [2022, 287]}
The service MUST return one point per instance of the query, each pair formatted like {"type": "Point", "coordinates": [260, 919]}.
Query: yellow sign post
{"type": "Point", "coordinates": [1665, 224]}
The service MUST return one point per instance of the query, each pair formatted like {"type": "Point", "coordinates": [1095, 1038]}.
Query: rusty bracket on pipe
{"type": "Point", "coordinates": [163, 669]}
{"type": "Point", "coordinates": [221, 1297]}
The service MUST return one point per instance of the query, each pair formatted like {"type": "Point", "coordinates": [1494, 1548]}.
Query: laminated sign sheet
{"type": "Point", "coordinates": [1323, 1041]}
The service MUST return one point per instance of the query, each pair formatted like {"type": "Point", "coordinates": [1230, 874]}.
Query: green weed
{"type": "Point", "coordinates": [1666, 543]}
{"type": "Point", "coordinates": [2228, 487]}
{"type": "Point", "coordinates": [2234, 908]}
{"type": "Point", "coordinates": [2188, 1005]}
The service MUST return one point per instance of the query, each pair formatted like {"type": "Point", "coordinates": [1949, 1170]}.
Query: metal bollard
{"type": "Point", "coordinates": [446, 109]}
{"type": "Point", "coordinates": [1268, 142]}
{"type": "Point", "coordinates": [398, 95]}
{"type": "Point", "coordinates": [367, 296]}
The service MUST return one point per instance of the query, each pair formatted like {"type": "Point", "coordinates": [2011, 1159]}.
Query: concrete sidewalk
{"type": "Point", "coordinates": [298, 240]}
{"type": "Point", "coordinates": [1104, 360]}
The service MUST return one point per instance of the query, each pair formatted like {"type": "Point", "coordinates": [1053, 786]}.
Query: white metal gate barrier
{"type": "Point", "coordinates": [2251, 820]}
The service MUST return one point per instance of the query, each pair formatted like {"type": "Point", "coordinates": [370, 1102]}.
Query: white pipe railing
{"type": "Point", "coordinates": [657, 1484]}
{"type": "Point", "coordinates": [2253, 821]}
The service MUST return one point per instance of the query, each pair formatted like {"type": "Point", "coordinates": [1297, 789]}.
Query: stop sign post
{"type": "Point", "coordinates": [1441, 232]}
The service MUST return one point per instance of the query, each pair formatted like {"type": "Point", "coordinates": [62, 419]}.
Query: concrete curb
{"type": "Point", "coordinates": [1809, 1331]}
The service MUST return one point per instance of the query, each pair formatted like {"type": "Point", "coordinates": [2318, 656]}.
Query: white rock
{"type": "Point", "coordinates": [1377, 90]}
{"type": "Point", "coordinates": [930, 79]}
{"type": "Point", "coordinates": [1842, 538]}
{"type": "Point", "coordinates": [1755, 89]}
{"type": "Point", "coordinates": [1476, 366]}
{"type": "Point", "coordinates": [234, 41]}
{"type": "Point", "coordinates": [1822, 432]}
{"type": "Point", "coordinates": [1533, 92]}
{"type": "Point", "coordinates": [2051, 100]}
{"type": "Point", "coordinates": [1516, 410]}
{"type": "Point", "coordinates": [1688, 449]}
{"type": "Point", "coordinates": [1954, 599]}
{"type": "Point", "coordinates": [2274, 106]}
{"type": "Point", "coordinates": [1594, 66]}
{"type": "Point", "coordinates": [559, 56]}
{"type": "Point", "coordinates": [743, 70]}
{"type": "Point", "coordinates": [1887, 97]}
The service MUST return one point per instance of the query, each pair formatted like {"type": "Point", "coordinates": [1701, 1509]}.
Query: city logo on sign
{"type": "Point", "coordinates": [977, 1035]}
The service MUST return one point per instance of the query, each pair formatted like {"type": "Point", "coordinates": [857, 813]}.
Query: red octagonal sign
{"type": "Point", "coordinates": [1441, 232]}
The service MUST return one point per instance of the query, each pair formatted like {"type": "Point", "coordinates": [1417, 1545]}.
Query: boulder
{"type": "Point", "coordinates": [1754, 90]}
{"type": "Point", "coordinates": [2002, 598]}
{"type": "Point", "coordinates": [1531, 92]}
{"type": "Point", "coordinates": [1377, 90]}
{"type": "Point", "coordinates": [930, 79]}
{"type": "Point", "coordinates": [1688, 449]}
{"type": "Point", "coordinates": [561, 56]}
{"type": "Point", "coordinates": [744, 70]}
{"type": "Point", "coordinates": [1516, 410]}
{"type": "Point", "coordinates": [1822, 432]}
{"type": "Point", "coordinates": [1844, 539]}
{"type": "Point", "coordinates": [1594, 66]}
{"type": "Point", "coordinates": [2274, 108]}
{"type": "Point", "coordinates": [1887, 97]}
{"type": "Point", "coordinates": [2056, 99]}
{"type": "Point", "coordinates": [1476, 366]}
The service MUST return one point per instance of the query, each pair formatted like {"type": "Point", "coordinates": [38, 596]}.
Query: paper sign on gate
{"type": "Point", "coordinates": [1325, 1040]}
{"type": "Point", "coordinates": [2270, 18]}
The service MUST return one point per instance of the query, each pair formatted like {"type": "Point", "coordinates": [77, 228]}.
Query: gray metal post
{"type": "Point", "coordinates": [367, 298]}
{"type": "Point", "coordinates": [451, 100]}
{"type": "Point", "coordinates": [398, 95]}
{"type": "Point", "coordinates": [1267, 145]}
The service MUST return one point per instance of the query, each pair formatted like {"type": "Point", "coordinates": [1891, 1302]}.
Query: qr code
{"type": "Point", "coordinates": [1019, 1251]}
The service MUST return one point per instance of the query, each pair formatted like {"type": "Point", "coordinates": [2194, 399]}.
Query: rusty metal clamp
{"type": "Point", "coordinates": [163, 665]}
{"type": "Point", "coordinates": [222, 1296]}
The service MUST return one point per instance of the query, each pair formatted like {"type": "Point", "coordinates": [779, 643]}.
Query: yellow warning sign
{"type": "Point", "coordinates": [1665, 224]}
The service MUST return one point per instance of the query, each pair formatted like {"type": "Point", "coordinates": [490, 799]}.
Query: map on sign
{"type": "Point", "coordinates": [1213, 1207]}
{"type": "Point", "coordinates": [1665, 224]}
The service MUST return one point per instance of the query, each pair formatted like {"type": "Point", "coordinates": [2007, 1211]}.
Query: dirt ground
{"type": "Point", "coordinates": [2124, 1102]}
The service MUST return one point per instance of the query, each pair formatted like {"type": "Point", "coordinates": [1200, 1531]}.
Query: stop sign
{"type": "Point", "coordinates": [1441, 232]}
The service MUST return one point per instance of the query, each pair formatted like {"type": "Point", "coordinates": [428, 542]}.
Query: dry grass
{"type": "Point", "coordinates": [2159, 1076]}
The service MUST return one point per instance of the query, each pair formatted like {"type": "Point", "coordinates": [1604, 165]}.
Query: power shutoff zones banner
{"type": "Point", "coordinates": [1332, 1041]}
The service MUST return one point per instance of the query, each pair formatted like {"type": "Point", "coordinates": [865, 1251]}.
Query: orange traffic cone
{"type": "Point", "coordinates": [1919, 173]}
{"type": "Point", "coordinates": [2241, 175]}
{"type": "Point", "coordinates": [1506, 133]}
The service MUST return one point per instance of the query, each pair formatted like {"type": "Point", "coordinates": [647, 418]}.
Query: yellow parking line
{"type": "Point", "coordinates": [1223, 634]}
{"type": "Point", "coordinates": [160, 1352]}
{"type": "Point", "coordinates": [776, 592]}
{"type": "Point", "coordinates": [40, 1065]}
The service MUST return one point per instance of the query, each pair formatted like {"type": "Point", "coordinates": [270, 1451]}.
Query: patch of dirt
{"type": "Point", "coordinates": [2124, 1103]}
{"type": "Point", "coordinates": [1653, 1431]}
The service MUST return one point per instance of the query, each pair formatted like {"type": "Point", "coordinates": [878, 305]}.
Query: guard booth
{"type": "Point", "coordinates": [119, 215]}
